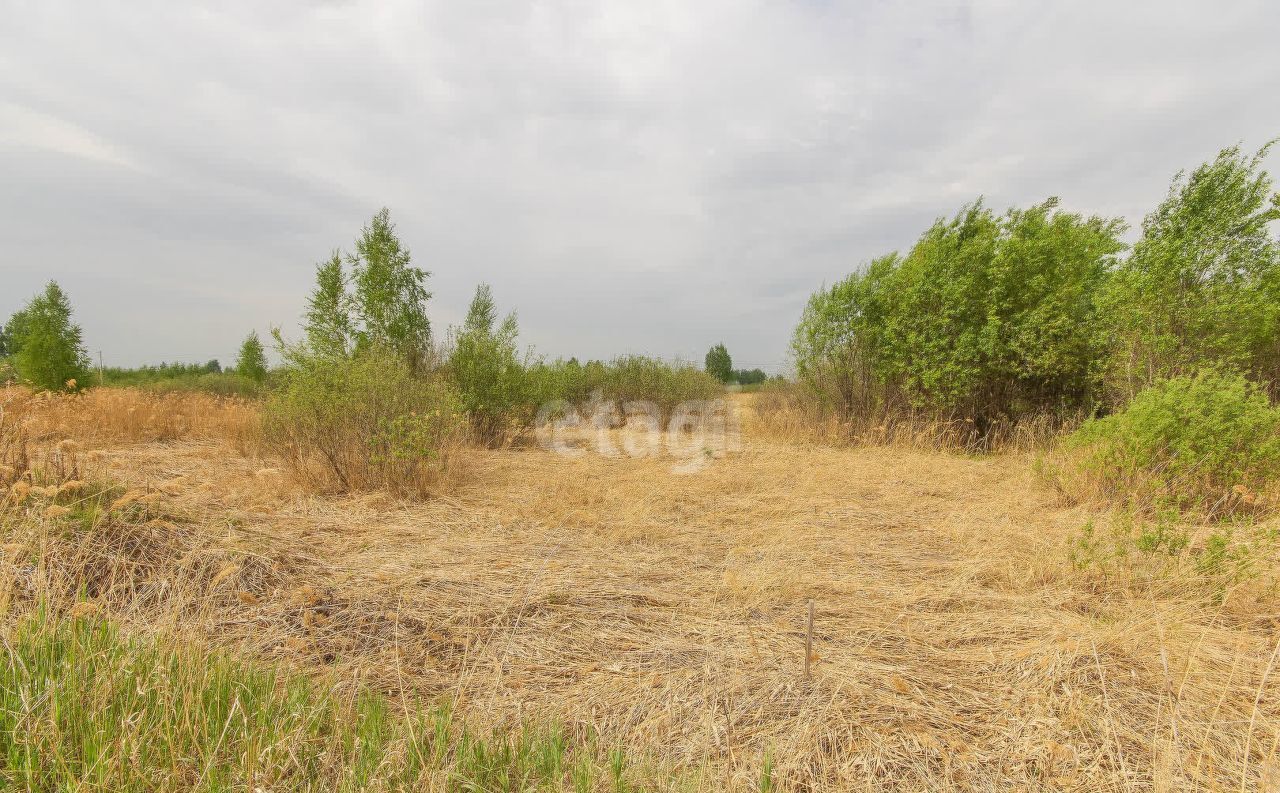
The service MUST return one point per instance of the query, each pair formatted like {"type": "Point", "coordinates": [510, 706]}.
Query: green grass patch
{"type": "Point", "coordinates": [84, 707]}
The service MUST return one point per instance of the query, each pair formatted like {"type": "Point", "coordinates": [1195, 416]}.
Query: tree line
{"type": "Point", "coordinates": [996, 316]}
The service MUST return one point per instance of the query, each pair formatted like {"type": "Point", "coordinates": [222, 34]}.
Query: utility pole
{"type": "Point", "coordinates": [99, 368]}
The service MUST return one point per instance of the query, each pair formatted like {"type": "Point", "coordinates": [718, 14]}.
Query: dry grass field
{"type": "Point", "coordinates": [955, 645]}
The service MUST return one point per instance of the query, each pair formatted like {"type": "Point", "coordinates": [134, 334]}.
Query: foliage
{"type": "Point", "coordinates": [749, 376]}
{"type": "Point", "coordinates": [369, 421]}
{"type": "Point", "coordinates": [1208, 443]}
{"type": "Point", "coordinates": [328, 318]}
{"type": "Point", "coordinates": [207, 377]}
{"type": "Point", "coordinates": [986, 317]}
{"type": "Point", "coordinates": [486, 368]}
{"type": "Point", "coordinates": [388, 294]}
{"type": "Point", "coordinates": [377, 300]}
{"type": "Point", "coordinates": [84, 706]}
{"type": "Point", "coordinates": [49, 353]}
{"type": "Point", "coordinates": [629, 378]}
{"type": "Point", "coordinates": [1203, 283]}
{"type": "Point", "coordinates": [252, 360]}
{"type": "Point", "coordinates": [718, 363]}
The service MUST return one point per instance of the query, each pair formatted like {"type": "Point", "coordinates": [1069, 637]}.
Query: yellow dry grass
{"type": "Point", "coordinates": [954, 647]}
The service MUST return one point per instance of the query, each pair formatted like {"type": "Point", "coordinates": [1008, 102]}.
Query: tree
{"type": "Point", "coordinates": [49, 352]}
{"type": "Point", "coordinates": [718, 364]}
{"type": "Point", "coordinates": [252, 360]}
{"type": "Point", "coordinates": [1203, 283]}
{"type": "Point", "coordinates": [12, 332]}
{"type": "Point", "coordinates": [328, 317]}
{"type": "Point", "coordinates": [749, 376]}
{"type": "Point", "coordinates": [486, 367]}
{"type": "Point", "coordinates": [389, 294]}
{"type": "Point", "coordinates": [372, 298]}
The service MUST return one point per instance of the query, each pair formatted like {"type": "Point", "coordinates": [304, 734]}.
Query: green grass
{"type": "Point", "coordinates": [83, 707]}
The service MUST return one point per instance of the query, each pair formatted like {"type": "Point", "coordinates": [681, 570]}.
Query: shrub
{"type": "Point", "coordinates": [1207, 443]}
{"type": "Point", "coordinates": [364, 422]}
{"type": "Point", "coordinates": [988, 318]}
{"type": "Point", "coordinates": [625, 379]}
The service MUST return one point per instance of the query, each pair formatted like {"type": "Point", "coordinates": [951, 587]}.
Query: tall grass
{"type": "Point", "coordinates": [793, 412]}
{"type": "Point", "coordinates": [83, 706]}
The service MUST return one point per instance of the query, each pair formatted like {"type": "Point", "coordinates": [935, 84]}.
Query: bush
{"type": "Point", "coordinates": [626, 379]}
{"type": "Point", "coordinates": [1207, 443]}
{"type": "Point", "coordinates": [987, 318]}
{"type": "Point", "coordinates": [363, 422]}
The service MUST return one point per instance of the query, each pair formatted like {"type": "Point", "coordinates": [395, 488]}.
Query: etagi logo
{"type": "Point", "coordinates": [695, 433]}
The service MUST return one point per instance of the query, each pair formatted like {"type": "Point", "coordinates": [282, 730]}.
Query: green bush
{"type": "Point", "coordinates": [987, 317]}
{"type": "Point", "coordinates": [1207, 443]}
{"type": "Point", "coordinates": [625, 379]}
{"type": "Point", "coordinates": [368, 421]}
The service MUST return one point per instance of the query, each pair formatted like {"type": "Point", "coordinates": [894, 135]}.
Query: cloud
{"type": "Point", "coordinates": [651, 177]}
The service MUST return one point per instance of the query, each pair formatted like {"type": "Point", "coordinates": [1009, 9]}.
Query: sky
{"type": "Point", "coordinates": [631, 177]}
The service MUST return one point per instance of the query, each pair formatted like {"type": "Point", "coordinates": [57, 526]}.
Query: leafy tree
{"type": "Point", "coordinates": [749, 376]}
{"type": "Point", "coordinates": [12, 332]}
{"type": "Point", "coordinates": [252, 360]}
{"type": "Point", "coordinates": [486, 367]}
{"type": "Point", "coordinates": [328, 317]}
{"type": "Point", "coordinates": [718, 364]}
{"type": "Point", "coordinates": [371, 299]}
{"type": "Point", "coordinates": [49, 352]}
{"type": "Point", "coordinates": [1203, 283]}
{"type": "Point", "coordinates": [388, 294]}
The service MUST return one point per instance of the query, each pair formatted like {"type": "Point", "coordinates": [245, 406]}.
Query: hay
{"type": "Point", "coordinates": [954, 646]}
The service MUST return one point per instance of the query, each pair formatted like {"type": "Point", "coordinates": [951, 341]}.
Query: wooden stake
{"type": "Point", "coordinates": [808, 642]}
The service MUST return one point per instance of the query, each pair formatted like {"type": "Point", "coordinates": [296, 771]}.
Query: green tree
{"type": "Point", "coordinates": [252, 360]}
{"type": "Point", "coordinates": [388, 294]}
{"type": "Point", "coordinates": [49, 352]}
{"type": "Point", "coordinates": [13, 331]}
{"type": "Point", "coordinates": [328, 317]}
{"type": "Point", "coordinates": [486, 367]}
{"type": "Point", "coordinates": [1203, 283]}
{"type": "Point", "coordinates": [718, 364]}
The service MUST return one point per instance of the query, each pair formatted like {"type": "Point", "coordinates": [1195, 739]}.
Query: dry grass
{"type": "Point", "coordinates": [124, 415]}
{"type": "Point", "coordinates": [955, 646]}
{"type": "Point", "coordinates": [784, 414]}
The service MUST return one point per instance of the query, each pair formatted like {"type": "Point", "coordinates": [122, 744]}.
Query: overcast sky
{"type": "Point", "coordinates": [631, 175]}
